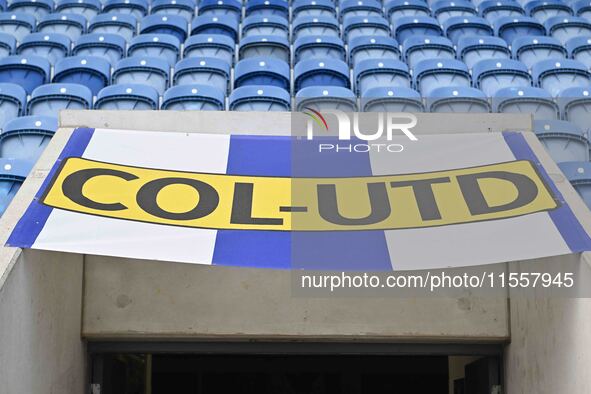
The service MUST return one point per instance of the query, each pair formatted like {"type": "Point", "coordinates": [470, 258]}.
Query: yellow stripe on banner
{"type": "Point", "coordinates": [220, 201]}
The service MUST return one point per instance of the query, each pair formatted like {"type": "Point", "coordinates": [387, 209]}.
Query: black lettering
{"type": "Point", "coordinates": [424, 196]}
{"type": "Point", "coordinates": [242, 207]}
{"type": "Point", "coordinates": [378, 200]}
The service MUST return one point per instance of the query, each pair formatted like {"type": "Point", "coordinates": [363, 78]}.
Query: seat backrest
{"type": "Point", "coordinates": [259, 98]}
{"type": "Point", "coordinates": [555, 75]}
{"type": "Point", "coordinates": [166, 46]}
{"type": "Point", "coordinates": [262, 71]}
{"type": "Point", "coordinates": [150, 71]}
{"type": "Point", "coordinates": [490, 75]}
{"type": "Point", "coordinates": [49, 99]}
{"type": "Point", "coordinates": [12, 102]}
{"type": "Point", "coordinates": [90, 71]}
{"type": "Point", "coordinates": [274, 47]}
{"type": "Point", "coordinates": [203, 71]}
{"type": "Point", "coordinates": [193, 97]}
{"type": "Point", "coordinates": [71, 25]}
{"type": "Point", "coordinates": [28, 71]}
{"type": "Point", "coordinates": [528, 100]}
{"type": "Point", "coordinates": [430, 74]}
{"type": "Point", "coordinates": [327, 72]}
{"type": "Point", "coordinates": [323, 98]}
{"type": "Point", "coordinates": [127, 97]}
{"type": "Point", "coordinates": [461, 99]}
{"type": "Point", "coordinates": [391, 99]}
{"type": "Point", "coordinates": [26, 137]}
{"type": "Point", "coordinates": [471, 49]}
{"type": "Point", "coordinates": [530, 50]}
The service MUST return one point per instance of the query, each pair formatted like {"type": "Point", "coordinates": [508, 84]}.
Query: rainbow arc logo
{"type": "Point", "coordinates": [317, 117]}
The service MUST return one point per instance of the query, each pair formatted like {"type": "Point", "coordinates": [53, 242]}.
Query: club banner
{"type": "Point", "coordinates": [302, 203]}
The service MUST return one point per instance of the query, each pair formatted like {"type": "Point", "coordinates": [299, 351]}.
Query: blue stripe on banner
{"type": "Point", "coordinates": [563, 217]}
{"type": "Point", "coordinates": [30, 225]}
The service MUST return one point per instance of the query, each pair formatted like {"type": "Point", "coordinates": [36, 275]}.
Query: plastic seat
{"type": "Point", "coordinates": [28, 71]}
{"type": "Point", "coordinates": [37, 8]}
{"type": "Point", "coordinates": [260, 71]}
{"type": "Point", "coordinates": [565, 28]}
{"type": "Point", "coordinates": [409, 26]}
{"type": "Point", "coordinates": [430, 74]}
{"type": "Point", "coordinates": [232, 8]}
{"type": "Point", "coordinates": [542, 10]}
{"type": "Point", "coordinates": [419, 48]}
{"type": "Point", "coordinates": [367, 47]}
{"type": "Point", "coordinates": [458, 99]}
{"type": "Point", "coordinates": [575, 106]}
{"type": "Point", "coordinates": [391, 99]}
{"type": "Point", "coordinates": [51, 98]}
{"type": "Point", "coordinates": [555, 75]}
{"type": "Point", "coordinates": [137, 8]}
{"type": "Point", "coordinates": [110, 47]}
{"type": "Point", "coordinates": [203, 71]}
{"type": "Point", "coordinates": [12, 102]}
{"type": "Point", "coordinates": [457, 27]}
{"type": "Point", "coordinates": [165, 24]}
{"type": "Point", "coordinates": [578, 174]}
{"type": "Point", "coordinates": [265, 26]}
{"type": "Point", "coordinates": [563, 140]}
{"type": "Point", "coordinates": [122, 24]}
{"type": "Point", "coordinates": [274, 47]}
{"type": "Point", "coordinates": [315, 26]}
{"type": "Point", "coordinates": [26, 137]}
{"type": "Point", "coordinates": [259, 98]}
{"type": "Point", "coordinates": [13, 173]}
{"type": "Point", "coordinates": [471, 50]}
{"type": "Point", "coordinates": [358, 26]}
{"type": "Point", "coordinates": [396, 9]}
{"type": "Point", "coordinates": [182, 8]}
{"type": "Point", "coordinates": [313, 8]}
{"type": "Point", "coordinates": [17, 24]}
{"type": "Point", "coordinates": [327, 72]}
{"type": "Point", "coordinates": [511, 27]}
{"type": "Point", "coordinates": [325, 98]}
{"type": "Point", "coordinates": [267, 8]}
{"type": "Point", "coordinates": [87, 8]}
{"type": "Point", "coordinates": [7, 44]}
{"type": "Point", "coordinates": [361, 8]}
{"type": "Point", "coordinates": [445, 9]}
{"type": "Point", "coordinates": [582, 8]}
{"type": "Point", "coordinates": [3, 5]}
{"type": "Point", "coordinates": [319, 48]}
{"type": "Point", "coordinates": [526, 100]}
{"type": "Point", "coordinates": [51, 46]}
{"type": "Point", "coordinates": [579, 48]}
{"type": "Point", "coordinates": [193, 98]}
{"type": "Point", "coordinates": [491, 10]}
{"type": "Point", "coordinates": [71, 25]}
{"type": "Point", "coordinates": [490, 75]}
{"type": "Point", "coordinates": [149, 71]}
{"type": "Point", "coordinates": [90, 71]}
{"type": "Point", "coordinates": [165, 46]}
{"type": "Point", "coordinates": [530, 50]}
{"type": "Point", "coordinates": [127, 97]}
{"type": "Point", "coordinates": [372, 73]}
{"type": "Point", "coordinates": [210, 45]}
{"type": "Point", "coordinates": [207, 24]}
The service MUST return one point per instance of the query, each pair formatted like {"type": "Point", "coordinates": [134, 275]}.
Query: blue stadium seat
{"type": "Point", "coordinates": [267, 8]}
{"type": "Point", "coordinates": [542, 10]}
{"type": "Point", "coordinates": [582, 8]}
{"type": "Point", "coordinates": [511, 27]}
{"type": "Point", "coordinates": [37, 8]}
{"type": "Point", "coordinates": [259, 98]}
{"type": "Point", "coordinates": [565, 28]}
{"type": "Point", "coordinates": [137, 8]}
{"type": "Point", "coordinates": [419, 48]}
{"type": "Point", "coordinates": [166, 24]}
{"type": "Point", "coordinates": [182, 8]}
{"type": "Point", "coordinates": [193, 98]}
{"type": "Point", "coordinates": [324, 98]}
{"type": "Point", "coordinates": [71, 25]}
{"type": "Point", "coordinates": [457, 27]}
{"type": "Point", "coordinates": [13, 173]}
{"type": "Point", "coordinates": [490, 75]}
{"type": "Point", "coordinates": [372, 73]}
{"type": "Point", "coordinates": [213, 24]}
{"type": "Point", "coordinates": [265, 26]}
{"type": "Point", "coordinates": [203, 71]}
{"type": "Point", "coordinates": [110, 47]}
{"type": "Point", "coordinates": [315, 26]}
{"type": "Point", "coordinates": [329, 72]}
{"type": "Point", "coordinates": [491, 10]}
{"type": "Point", "coordinates": [526, 100]}
{"type": "Point", "coordinates": [165, 46]}
{"type": "Point", "coordinates": [260, 71]}
{"type": "Point", "coordinates": [575, 106]}
{"type": "Point", "coordinates": [231, 8]}
{"type": "Point", "coordinates": [51, 98]}
{"type": "Point", "coordinates": [409, 26]}
{"type": "Point", "coordinates": [578, 174]}
{"type": "Point", "coordinates": [17, 24]}
{"type": "Point", "coordinates": [7, 44]}
{"type": "Point", "coordinates": [459, 99]}
{"type": "Point", "coordinates": [563, 140]}
{"type": "Point", "coordinates": [52, 46]}
{"type": "Point", "coordinates": [87, 8]}
{"type": "Point", "coordinates": [323, 47]}
{"type": "Point", "coordinates": [471, 50]}
{"type": "Point", "coordinates": [90, 71]}
{"type": "Point", "coordinates": [579, 48]}
{"type": "Point", "coordinates": [12, 102]}
{"type": "Point", "coordinates": [397, 8]}
{"type": "Point", "coordinates": [149, 71]}
{"type": "Point", "coordinates": [358, 26]}
{"type": "Point", "coordinates": [210, 45]}
{"type": "Point", "coordinates": [26, 137]}
{"type": "Point", "coordinates": [3, 5]}
{"type": "Point", "coordinates": [430, 74]}
{"type": "Point", "coordinates": [364, 8]}
{"type": "Point", "coordinates": [313, 8]}
{"type": "Point", "coordinates": [445, 9]}
{"type": "Point", "coordinates": [530, 50]}
{"type": "Point", "coordinates": [362, 48]}
{"type": "Point", "coordinates": [555, 75]}
{"type": "Point", "coordinates": [391, 99]}
{"type": "Point", "coordinates": [274, 47]}
{"type": "Point", "coordinates": [122, 24]}
{"type": "Point", "coordinates": [27, 71]}
{"type": "Point", "coordinates": [127, 96]}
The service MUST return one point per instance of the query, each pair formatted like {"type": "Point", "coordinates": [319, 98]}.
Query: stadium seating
{"type": "Point", "coordinates": [409, 26]}
{"type": "Point", "coordinates": [458, 99]}
{"type": "Point", "coordinates": [231, 8]}
{"type": "Point", "coordinates": [267, 8]}
{"type": "Point", "coordinates": [564, 29]}
{"type": "Point", "coordinates": [17, 24]}
{"type": "Point", "coordinates": [556, 75]}
{"type": "Point", "coordinates": [360, 8]}
{"type": "Point", "coordinates": [313, 8]}
{"type": "Point", "coordinates": [183, 8]}
{"type": "Point", "coordinates": [430, 74]}
{"type": "Point", "coordinates": [396, 9]}
{"type": "Point", "coordinates": [193, 97]}
{"type": "Point", "coordinates": [372, 73]}
{"type": "Point", "coordinates": [203, 70]}
{"type": "Point", "coordinates": [7, 45]}
{"type": "Point", "coordinates": [490, 75]}
{"type": "Point", "coordinates": [151, 71]}
{"type": "Point", "coordinates": [362, 48]}
{"type": "Point", "coordinates": [122, 24]}
{"type": "Point", "coordinates": [543, 10]}
{"type": "Point", "coordinates": [313, 26]}
{"type": "Point", "coordinates": [26, 71]}
{"type": "Point", "coordinates": [71, 25]}
{"type": "Point", "coordinates": [579, 48]}
{"type": "Point", "coordinates": [12, 175]}
{"type": "Point", "coordinates": [12, 102]}
{"type": "Point", "coordinates": [259, 98]}
{"type": "Point", "coordinates": [465, 26]}
{"type": "Point", "coordinates": [204, 24]}
{"type": "Point", "coordinates": [174, 25]}
{"type": "Point", "coordinates": [325, 98]}
{"type": "Point", "coordinates": [491, 10]}
{"type": "Point", "coordinates": [312, 72]}
{"type": "Point", "coordinates": [87, 8]}
{"type": "Point", "coordinates": [579, 175]}
{"type": "Point", "coordinates": [445, 9]}
{"type": "Point", "coordinates": [51, 98]}
{"type": "Point", "coordinates": [274, 47]}
{"type": "Point", "coordinates": [511, 27]}
{"type": "Point", "coordinates": [563, 140]}
{"type": "Point", "coordinates": [575, 106]}
{"type": "Point", "coordinates": [471, 49]}
{"type": "Point", "coordinates": [389, 99]}
{"type": "Point", "coordinates": [530, 50]}
{"type": "Point", "coordinates": [127, 97]}
{"type": "Point", "coordinates": [26, 137]}
{"type": "Point", "coordinates": [210, 45]}
{"type": "Point", "coordinates": [37, 8]}
{"type": "Point", "coordinates": [359, 26]}
{"type": "Point", "coordinates": [110, 47]}
{"type": "Point", "coordinates": [52, 46]}
{"type": "Point", "coordinates": [324, 47]}
{"type": "Point", "coordinates": [526, 99]}
{"type": "Point", "coordinates": [136, 8]}
{"type": "Point", "coordinates": [90, 71]}
{"type": "Point", "coordinates": [267, 26]}
{"type": "Point", "coordinates": [260, 71]}
{"type": "Point", "coordinates": [420, 48]}
{"type": "Point", "coordinates": [165, 46]}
